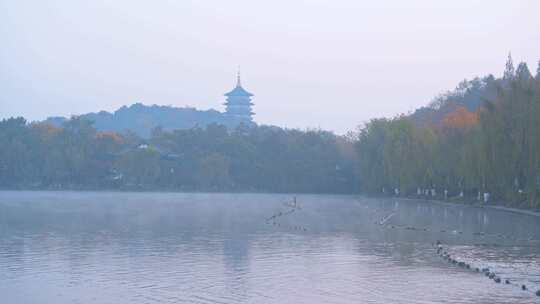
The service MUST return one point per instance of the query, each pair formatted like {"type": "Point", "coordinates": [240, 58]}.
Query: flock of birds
{"type": "Point", "coordinates": [450, 259]}
{"type": "Point", "coordinates": [485, 270]}
{"type": "Point", "coordinates": [481, 234]}
{"type": "Point", "coordinates": [292, 207]}
{"type": "Point", "coordinates": [489, 273]}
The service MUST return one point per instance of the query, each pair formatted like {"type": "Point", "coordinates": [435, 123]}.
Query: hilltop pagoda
{"type": "Point", "coordinates": [238, 105]}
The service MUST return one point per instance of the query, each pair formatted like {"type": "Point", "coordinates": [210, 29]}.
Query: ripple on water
{"type": "Point", "coordinates": [217, 248]}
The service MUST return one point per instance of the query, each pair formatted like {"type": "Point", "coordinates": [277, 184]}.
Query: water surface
{"type": "Point", "coordinates": [86, 247]}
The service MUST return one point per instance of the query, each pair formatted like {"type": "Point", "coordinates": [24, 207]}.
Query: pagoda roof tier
{"type": "Point", "coordinates": [234, 103]}
{"type": "Point", "coordinates": [238, 91]}
{"type": "Point", "coordinates": [238, 111]}
{"type": "Point", "coordinates": [242, 114]}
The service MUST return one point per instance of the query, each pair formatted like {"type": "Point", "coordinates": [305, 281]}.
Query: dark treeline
{"type": "Point", "coordinates": [254, 158]}
{"type": "Point", "coordinates": [484, 137]}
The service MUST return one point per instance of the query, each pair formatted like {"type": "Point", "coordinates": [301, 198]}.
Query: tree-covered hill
{"type": "Point", "coordinates": [469, 94]}
{"type": "Point", "coordinates": [142, 119]}
{"type": "Point", "coordinates": [484, 137]}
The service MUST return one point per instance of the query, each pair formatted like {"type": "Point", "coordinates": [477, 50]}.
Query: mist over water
{"type": "Point", "coordinates": [72, 247]}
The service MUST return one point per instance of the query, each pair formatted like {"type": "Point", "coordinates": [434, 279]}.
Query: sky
{"type": "Point", "coordinates": [311, 64]}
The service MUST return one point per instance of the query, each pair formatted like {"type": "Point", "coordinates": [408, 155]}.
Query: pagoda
{"type": "Point", "coordinates": [238, 105]}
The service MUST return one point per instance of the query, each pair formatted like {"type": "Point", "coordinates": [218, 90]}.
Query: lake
{"type": "Point", "coordinates": [101, 247]}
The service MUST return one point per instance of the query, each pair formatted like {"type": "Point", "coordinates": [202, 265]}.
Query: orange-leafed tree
{"type": "Point", "coordinates": [460, 118]}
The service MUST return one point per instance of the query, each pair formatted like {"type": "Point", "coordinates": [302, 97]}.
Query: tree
{"type": "Point", "coordinates": [139, 167]}
{"type": "Point", "coordinates": [509, 72]}
{"type": "Point", "coordinates": [460, 118]}
{"type": "Point", "coordinates": [523, 73]}
{"type": "Point", "coordinates": [494, 147]}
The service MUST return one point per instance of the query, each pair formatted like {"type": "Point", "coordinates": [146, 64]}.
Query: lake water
{"type": "Point", "coordinates": [86, 247]}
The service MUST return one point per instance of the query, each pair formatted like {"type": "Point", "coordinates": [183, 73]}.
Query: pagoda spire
{"type": "Point", "coordinates": [238, 83]}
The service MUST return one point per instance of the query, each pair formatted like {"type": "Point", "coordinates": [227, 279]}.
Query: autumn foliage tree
{"type": "Point", "coordinates": [462, 145]}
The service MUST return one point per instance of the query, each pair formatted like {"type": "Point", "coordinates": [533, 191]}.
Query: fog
{"type": "Point", "coordinates": [310, 64]}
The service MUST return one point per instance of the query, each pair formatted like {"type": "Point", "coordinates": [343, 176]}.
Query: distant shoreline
{"type": "Point", "coordinates": [165, 190]}
{"type": "Point", "coordinates": [495, 207]}
{"type": "Point", "coordinates": [437, 201]}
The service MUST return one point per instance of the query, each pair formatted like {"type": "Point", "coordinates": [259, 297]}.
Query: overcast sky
{"type": "Point", "coordinates": [328, 64]}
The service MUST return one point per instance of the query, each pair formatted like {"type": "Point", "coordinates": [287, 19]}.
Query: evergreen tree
{"type": "Point", "coordinates": [522, 72]}
{"type": "Point", "coordinates": [509, 71]}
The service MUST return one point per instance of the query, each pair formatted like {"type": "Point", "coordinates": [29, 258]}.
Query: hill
{"type": "Point", "coordinates": [469, 94]}
{"type": "Point", "coordinates": [479, 142]}
{"type": "Point", "coordinates": [142, 119]}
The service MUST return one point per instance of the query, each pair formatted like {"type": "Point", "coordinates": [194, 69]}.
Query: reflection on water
{"type": "Point", "coordinates": [69, 247]}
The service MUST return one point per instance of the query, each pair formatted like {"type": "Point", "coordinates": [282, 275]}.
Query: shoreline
{"type": "Point", "coordinates": [178, 191]}
{"type": "Point", "coordinates": [515, 210]}
{"type": "Point", "coordinates": [495, 207]}
{"type": "Point", "coordinates": [170, 190]}
{"type": "Point", "coordinates": [529, 212]}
